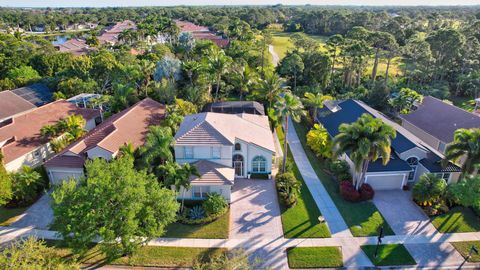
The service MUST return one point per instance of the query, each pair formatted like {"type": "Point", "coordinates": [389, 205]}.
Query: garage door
{"type": "Point", "coordinates": [385, 182]}
{"type": "Point", "coordinates": [57, 177]}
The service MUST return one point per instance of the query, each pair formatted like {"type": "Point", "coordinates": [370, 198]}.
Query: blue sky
{"type": "Point", "coordinates": [102, 3]}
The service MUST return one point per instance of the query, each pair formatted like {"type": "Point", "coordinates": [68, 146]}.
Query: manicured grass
{"type": "Point", "coordinates": [9, 215]}
{"type": "Point", "coordinates": [301, 220]}
{"type": "Point", "coordinates": [458, 219]}
{"type": "Point", "coordinates": [217, 229]}
{"type": "Point", "coordinates": [145, 256]}
{"type": "Point", "coordinates": [464, 249]}
{"type": "Point", "coordinates": [389, 255]}
{"type": "Point", "coordinates": [281, 43]}
{"type": "Point", "coordinates": [363, 218]}
{"type": "Point", "coordinates": [314, 257]}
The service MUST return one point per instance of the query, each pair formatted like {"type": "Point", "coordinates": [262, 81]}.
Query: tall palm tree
{"type": "Point", "coordinates": [186, 172]}
{"type": "Point", "coordinates": [316, 101]}
{"type": "Point", "coordinates": [157, 146]}
{"type": "Point", "coordinates": [178, 176]}
{"type": "Point", "coordinates": [192, 68]}
{"type": "Point", "coordinates": [367, 139]}
{"type": "Point", "coordinates": [219, 64]}
{"type": "Point", "coordinates": [147, 68]}
{"type": "Point", "coordinates": [285, 107]}
{"type": "Point", "coordinates": [272, 85]}
{"type": "Point", "coordinates": [244, 79]}
{"type": "Point", "coordinates": [466, 144]}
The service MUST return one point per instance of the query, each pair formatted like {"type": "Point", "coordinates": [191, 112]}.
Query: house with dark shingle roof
{"type": "Point", "coordinates": [435, 122]}
{"type": "Point", "coordinates": [224, 147]}
{"type": "Point", "coordinates": [410, 156]}
{"type": "Point", "coordinates": [128, 126]}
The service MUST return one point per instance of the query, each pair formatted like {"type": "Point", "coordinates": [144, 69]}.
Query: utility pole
{"type": "Point", "coordinates": [379, 240]}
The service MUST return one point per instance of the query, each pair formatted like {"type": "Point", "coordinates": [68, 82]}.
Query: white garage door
{"type": "Point", "coordinates": [57, 177]}
{"type": "Point", "coordinates": [385, 182]}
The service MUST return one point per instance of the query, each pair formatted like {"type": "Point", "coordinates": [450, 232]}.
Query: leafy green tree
{"type": "Point", "coordinates": [74, 86]}
{"type": "Point", "coordinates": [5, 184]}
{"type": "Point", "coordinates": [186, 42]}
{"type": "Point", "coordinates": [467, 193]}
{"type": "Point", "coordinates": [466, 146]}
{"type": "Point", "coordinates": [125, 207]}
{"type": "Point", "coordinates": [319, 141]}
{"type": "Point", "coordinates": [380, 41]}
{"type": "Point", "coordinates": [446, 45]}
{"type": "Point", "coordinates": [31, 253]}
{"type": "Point", "coordinates": [405, 100]}
{"type": "Point", "coordinates": [317, 69]}
{"type": "Point", "coordinates": [127, 150]}
{"type": "Point", "coordinates": [26, 185]}
{"type": "Point", "coordinates": [292, 66]}
{"type": "Point", "coordinates": [334, 43]}
{"type": "Point", "coordinates": [285, 107]}
{"type": "Point", "coordinates": [92, 41]}
{"type": "Point", "coordinates": [429, 189]}
{"type": "Point", "coordinates": [23, 75]}
{"type": "Point", "coordinates": [367, 140]}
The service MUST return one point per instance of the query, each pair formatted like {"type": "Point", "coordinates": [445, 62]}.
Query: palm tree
{"type": "Point", "coordinates": [288, 106]}
{"type": "Point", "coordinates": [316, 101]}
{"type": "Point", "coordinates": [74, 125]}
{"type": "Point", "coordinates": [178, 176]}
{"type": "Point", "coordinates": [244, 79]}
{"type": "Point", "coordinates": [367, 139]}
{"type": "Point", "coordinates": [271, 86]}
{"type": "Point", "coordinates": [147, 68]}
{"type": "Point", "coordinates": [186, 172]}
{"type": "Point", "coordinates": [49, 131]}
{"type": "Point", "coordinates": [219, 64]}
{"type": "Point", "coordinates": [126, 150]}
{"type": "Point", "coordinates": [192, 68]}
{"type": "Point", "coordinates": [466, 144]}
{"type": "Point", "coordinates": [157, 146]}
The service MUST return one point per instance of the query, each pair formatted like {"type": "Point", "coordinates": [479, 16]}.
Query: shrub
{"type": "Point", "coordinates": [5, 184]}
{"type": "Point", "coordinates": [348, 191]}
{"type": "Point", "coordinates": [288, 188]}
{"type": "Point", "coordinates": [341, 170]}
{"type": "Point", "coordinates": [183, 218]}
{"type": "Point", "coordinates": [366, 192]}
{"type": "Point", "coordinates": [197, 212]}
{"type": "Point", "coordinates": [26, 185]}
{"type": "Point", "coordinates": [214, 204]}
{"type": "Point", "coordinates": [429, 190]}
{"type": "Point", "coordinates": [319, 141]}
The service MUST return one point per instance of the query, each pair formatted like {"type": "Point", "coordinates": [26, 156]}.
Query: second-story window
{"type": "Point", "coordinates": [238, 147]}
{"type": "Point", "coordinates": [188, 152]}
{"type": "Point", "coordinates": [216, 153]}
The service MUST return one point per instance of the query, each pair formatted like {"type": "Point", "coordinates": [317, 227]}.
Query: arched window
{"type": "Point", "coordinates": [238, 147]}
{"type": "Point", "coordinates": [413, 162]}
{"type": "Point", "coordinates": [259, 164]}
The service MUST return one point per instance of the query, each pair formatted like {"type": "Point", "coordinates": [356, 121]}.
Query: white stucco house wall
{"type": "Point", "coordinates": [242, 144]}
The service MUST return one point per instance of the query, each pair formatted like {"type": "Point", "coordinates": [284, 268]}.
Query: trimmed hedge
{"type": "Point", "coordinates": [349, 193]}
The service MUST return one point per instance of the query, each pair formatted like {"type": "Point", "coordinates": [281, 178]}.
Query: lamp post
{"type": "Point", "coordinates": [473, 249]}
{"type": "Point", "coordinates": [379, 240]}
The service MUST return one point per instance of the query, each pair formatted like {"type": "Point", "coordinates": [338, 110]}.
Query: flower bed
{"type": "Point", "coordinates": [183, 218]}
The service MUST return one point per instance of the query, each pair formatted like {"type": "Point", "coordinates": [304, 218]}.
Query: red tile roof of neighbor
{"type": "Point", "coordinates": [23, 131]}
{"type": "Point", "coordinates": [111, 34]}
{"type": "Point", "coordinates": [12, 104]}
{"type": "Point", "coordinates": [75, 46]}
{"type": "Point", "coordinates": [128, 126]}
{"type": "Point", "coordinates": [186, 26]}
{"type": "Point", "coordinates": [201, 33]}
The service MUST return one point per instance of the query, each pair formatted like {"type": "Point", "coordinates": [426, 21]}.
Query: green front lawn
{"type": "Point", "coordinates": [314, 257]}
{"type": "Point", "coordinates": [363, 218]}
{"type": "Point", "coordinates": [457, 220]}
{"type": "Point", "coordinates": [389, 255]}
{"type": "Point", "coordinates": [217, 229]}
{"type": "Point", "coordinates": [301, 220]}
{"type": "Point", "coordinates": [9, 215]}
{"type": "Point", "coordinates": [145, 256]}
{"type": "Point", "coordinates": [464, 249]}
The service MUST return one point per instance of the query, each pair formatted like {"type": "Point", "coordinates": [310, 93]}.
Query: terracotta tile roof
{"type": "Point", "coordinates": [25, 128]}
{"type": "Point", "coordinates": [111, 34]}
{"type": "Point", "coordinates": [190, 27]}
{"type": "Point", "coordinates": [212, 174]}
{"type": "Point", "coordinates": [75, 46]}
{"type": "Point", "coordinates": [11, 104]}
{"type": "Point", "coordinates": [201, 33]}
{"type": "Point", "coordinates": [222, 129]}
{"type": "Point", "coordinates": [128, 126]}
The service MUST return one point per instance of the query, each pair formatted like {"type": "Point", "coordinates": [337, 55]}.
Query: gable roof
{"type": "Point", "coordinates": [128, 126]}
{"type": "Point", "coordinates": [75, 46]}
{"type": "Point", "coordinates": [441, 119]}
{"type": "Point", "coordinates": [22, 132]}
{"type": "Point", "coordinates": [11, 104]}
{"type": "Point", "coordinates": [222, 129]}
{"type": "Point", "coordinates": [38, 94]}
{"type": "Point", "coordinates": [212, 173]}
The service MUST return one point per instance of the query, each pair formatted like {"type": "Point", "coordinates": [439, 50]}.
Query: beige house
{"type": "Point", "coordinates": [128, 126]}
{"type": "Point", "coordinates": [20, 140]}
{"type": "Point", "coordinates": [225, 147]}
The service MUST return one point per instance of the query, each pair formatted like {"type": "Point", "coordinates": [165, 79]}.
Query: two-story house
{"type": "Point", "coordinates": [224, 147]}
{"type": "Point", "coordinates": [410, 156]}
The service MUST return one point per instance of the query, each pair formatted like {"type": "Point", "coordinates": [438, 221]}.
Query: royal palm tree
{"type": "Point", "coordinates": [147, 68]}
{"type": "Point", "coordinates": [157, 146]}
{"type": "Point", "coordinates": [465, 145]}
{"type": "Point", "coordinates": [271, 86]}
{"type": "Point", "coordinates": [367, 139]}
{"type": "Point", "coordinates": [285, 107]}
{"type": "Point", "coordinates": [219, 64]}
{"type": "Point", "coordinates": [244, 79]}
{"type": "Point", "coordinates": [316, 101]}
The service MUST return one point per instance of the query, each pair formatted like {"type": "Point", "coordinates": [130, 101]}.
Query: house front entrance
{"type": "Point", "coordinates": [238, 165]}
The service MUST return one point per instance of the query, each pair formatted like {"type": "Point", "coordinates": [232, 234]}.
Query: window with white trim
{"type": "Point", "coordinates": [200, 192]}
{"type": "Point", "coordinates": [188, 151]}
{"type": "Point", "coordinates": [413, 162]}
{"type": "Point", "coordinates": [259, 164]}
{"type": "Point", "coordinates": [216, 152]}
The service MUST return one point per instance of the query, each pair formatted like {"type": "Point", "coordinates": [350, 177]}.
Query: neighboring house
{"type": "Point", "coordinates": [201, 33]}
{"type": "Point", "coordinates": [435, 122]}
{"type": "Point", "coordinates": [20, 140]}
{"type": "Point", "coordinates": [110, 35]}
{"type": "Point", "coordinates": [410, 157]}
{"type": "Point", "coordinates": [74, 46]}
{"type": "Point", "coordinates": [128, 126]}
{"type": "Point", "coordinates": [83, 100]}
{"type": "Point", "coordinates": [224, 147]}
{"type": "Point", "coordinates": [38, 94]}
{"type": "Point", "coordinates": [11, 105]}
{"type": "Point", "coordinates": [235, 107]}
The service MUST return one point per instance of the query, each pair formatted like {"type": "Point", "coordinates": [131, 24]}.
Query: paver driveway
{"type": "Point", "coordinates": [39, 215]}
